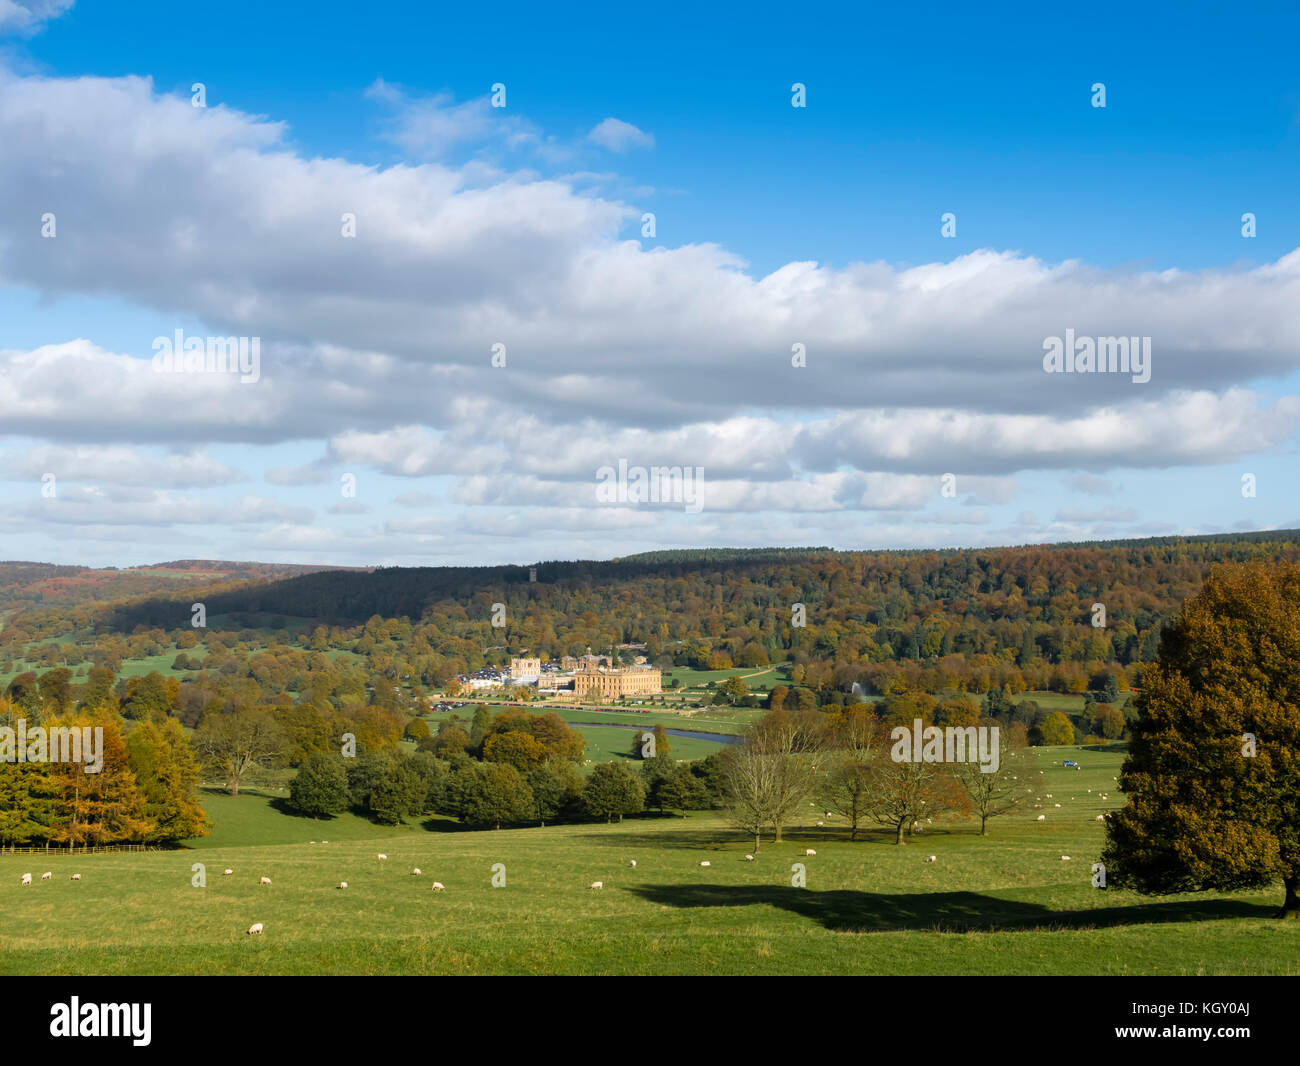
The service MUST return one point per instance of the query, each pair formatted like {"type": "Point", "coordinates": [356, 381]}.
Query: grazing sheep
{"type": "Point", "coordinates": [227, 872]}
{"type": "Point", "coordinates": [438, 886]}
{"type": "Point", "coordinates": [598, 884]}
{"type": "Point", "coordinates": [828, 814]}
{"type": "Point", "coordinates": [266, 880]}
{"type": "Point", "coordinates": [47, 875]}
{"type": "Point", "coordinates": [1049, 796]}
{"type": "Point", "coordinates": [415, 872]}
{"type": "Point", "coordinates": [705, 863]}
{"type": "Point", "coordinates": [256, 927]}
{"type": "Point", "coordinates": [1042, 817]}
{"type": "Point", "coordinates": [810, 852]}
{"type": "Point", "coordinates": [1101, 818]}
{"type": "Point", "coordinates": [382, 855]}
{"type": "Point", "coordinates": [820, 824]}
{"type": "Point", "coordinates": [1055, 804]}
{"type": "Point", "coordinates": [1065, 858]}
{"type": "Point", "coordinates": [749, 858]}
{"type": "Point", "coordinates": [632, 862]}
{"type": "Point", "coordinates": [343, 884]}
{"type": "Point", "coordinates": [27, 879]}
{"type": "Point", "coordinates": [76, 877]}
{"type": "Point", "coordinates": [931, 858]}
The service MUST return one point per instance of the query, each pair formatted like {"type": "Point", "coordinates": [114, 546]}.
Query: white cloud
{"type": "Point", "coordinates": [619, 136]}
{"type": "Point", "coordinates": [27, 16]}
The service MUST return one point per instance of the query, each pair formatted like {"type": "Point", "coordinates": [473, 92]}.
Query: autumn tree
{"type": "Point", "coordinates": [1213, 773]}
{"type": "Point", "coordinates": [167, 775]}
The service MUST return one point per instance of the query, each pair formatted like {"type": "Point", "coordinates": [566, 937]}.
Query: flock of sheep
{"type": "Point", "coordinates": [47, 875]}
{"type": "Point", "coordinates": [438, 886]}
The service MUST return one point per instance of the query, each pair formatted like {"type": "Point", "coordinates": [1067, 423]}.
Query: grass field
{"type": "Point", "coordinates": [1005, 903]}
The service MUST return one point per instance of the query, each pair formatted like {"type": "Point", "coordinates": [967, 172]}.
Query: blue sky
{"type": "Point", "coordinates": [515, 224]}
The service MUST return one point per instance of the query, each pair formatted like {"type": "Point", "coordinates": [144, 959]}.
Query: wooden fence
{"type": "Point", "coordinates": [90, 849]}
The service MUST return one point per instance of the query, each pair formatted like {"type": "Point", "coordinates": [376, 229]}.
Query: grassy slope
{"type": "Point", "coordinates": [870, 907]}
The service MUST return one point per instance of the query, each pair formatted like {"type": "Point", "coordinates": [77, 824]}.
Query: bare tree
{"type": "Point", "coordinates": [846, 788]}
{"type": "Point", "coordinates": [992, 793]}
{"type": "Point", "coordinates": [794, 747]}
{"type": "Point", "coordinates": [748, 776]}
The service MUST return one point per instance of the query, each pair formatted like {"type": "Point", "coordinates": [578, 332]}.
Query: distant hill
{"type": "Point", "coordinates": [1153, 573]}
{"type": "Point", "coordinates": [28, 584]}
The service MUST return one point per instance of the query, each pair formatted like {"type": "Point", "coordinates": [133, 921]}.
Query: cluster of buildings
{"type": "Point", "coordinates": [588, 676]}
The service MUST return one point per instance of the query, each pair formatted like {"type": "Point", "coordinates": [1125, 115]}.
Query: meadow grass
{"type": "Point", "coordinates": [1004, 903]}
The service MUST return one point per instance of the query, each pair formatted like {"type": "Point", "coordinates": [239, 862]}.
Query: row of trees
{"type": "Point", "coordinates": [393, 785]}
{"type": "Point", "coordinates": [145, 792]}
{"type": "Point", "coordinates": [790, 759]}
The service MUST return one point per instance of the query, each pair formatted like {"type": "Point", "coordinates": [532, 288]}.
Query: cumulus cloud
{"type": "Point", "coordinates": [378, 349]}
{"type": "Point", "coordinates": [619, 136]}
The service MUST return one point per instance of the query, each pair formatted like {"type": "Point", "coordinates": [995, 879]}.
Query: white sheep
{"type": "Point", "coordinates": [631, 862]}
{"type": "Point", "coordinates": [1100, 818]}
{"type": "Point", "coordinates": [932, 858]}
{"type": "Point", "coordinates": [27, 879]}
{"type": "Point", "coordinates": [47, 875]}
{"type": "Point", "coordinates": [1065, 858]}
{"type": "Point", "coordinates": [438, 886]}
{"type": "Point", "coordinates": [810, 852]}
{"type": "Point", "coordinates": [256, 927]}
{"type": "Point", "coordinates": [416, 872]}
{"type": "Point", "coordinates": [1042, 817]}
{"type": "Point", "coordinates": [820, 824]}
{"type": "Point", "coordinates": [266, 880]}
{"type": "Point", "coordinates": [1055, 804]}
{"type": "Point", "coordinates": [227, 872]}
{"type": "Point", "coordinates": [749, 858]}
{"type": "Point", "coordinates": [705, 863]}
{"type": "Point", "coordinates": [598, 884]}
{"type": "Point", "coordinates": [382, 855]}
{"type": "Point", "coordinates": [76, 877]}
{"type": "Point", "coordinates": [343, 884]}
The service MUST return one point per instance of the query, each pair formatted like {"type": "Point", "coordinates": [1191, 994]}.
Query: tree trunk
{"type": "Point", "coordinates": [777, 827]}
{"type": "Point", "coordinates": [984, 825]}
{"type": "Point", "coordinates": [1291, 905]}
{"type": "Point", "coordinates": [234, 787]}
{"type": "Point", "coordinates": [757, 841]}
{"type": "Point", "coordinates": [901, 826]}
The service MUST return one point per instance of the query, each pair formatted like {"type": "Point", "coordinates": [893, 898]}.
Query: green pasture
{"type": "Point", "coordinates": [1006, 903]}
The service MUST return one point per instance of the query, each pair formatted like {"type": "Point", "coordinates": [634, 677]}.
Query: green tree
{"type": "Point", "coordinates": [497, 794]}
{"type": "Point", "coordinates": [557, 789]}
{"type": "Point", "coordinates": [321, 786]}
{"type": "Point", "coordinates": [613, 790]}
{"type": "Point", "coordinates": [733, 690]}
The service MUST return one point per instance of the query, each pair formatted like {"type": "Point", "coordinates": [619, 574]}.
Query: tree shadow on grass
{"type": "Point", "coordinates": [947, 912]}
